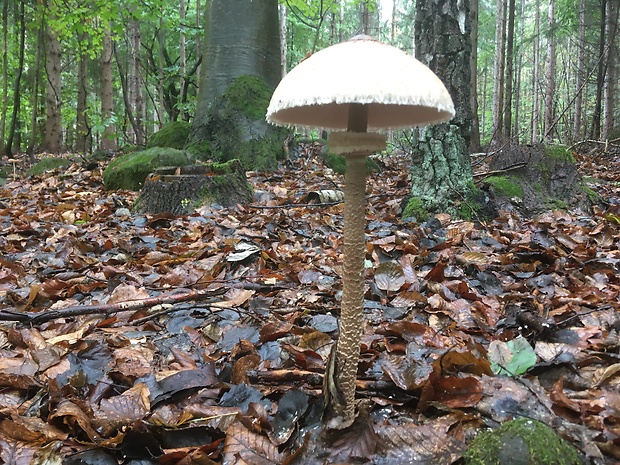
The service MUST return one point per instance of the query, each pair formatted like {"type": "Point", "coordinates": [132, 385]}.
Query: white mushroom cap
{"type": "Point", "coordinates": [399, 91]}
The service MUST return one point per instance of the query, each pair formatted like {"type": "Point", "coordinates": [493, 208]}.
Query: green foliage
{"type": "Point", "coordinates": [172, 135]}
{"type": "Point", "coordinates": [559, 153]}
{"type": "Point", "coordinates": [417, 209]}
{"type": "Point", "coordinates": [511, 358]}
{"type": "Point", "coordinates": [506, 186]}
{"type": "Point", "coordinates": [523, 441]}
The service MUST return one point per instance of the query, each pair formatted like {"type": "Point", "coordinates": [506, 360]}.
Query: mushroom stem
{"type": "Point", "coordinates": [352, 309]}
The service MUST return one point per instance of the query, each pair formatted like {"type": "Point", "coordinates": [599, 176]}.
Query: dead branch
{"type": "Point", "coordinates": [486, 174]}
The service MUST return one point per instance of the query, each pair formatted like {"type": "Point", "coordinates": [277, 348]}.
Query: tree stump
{"type": "Point", "coordinates": [531, 179]}
{"type": "Point", "coordinates": [180, 190]}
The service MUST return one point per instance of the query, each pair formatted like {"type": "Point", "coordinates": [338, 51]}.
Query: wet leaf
{"type": "Point", "coordinates": [511, 358]}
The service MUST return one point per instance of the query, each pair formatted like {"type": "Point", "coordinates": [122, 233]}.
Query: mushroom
{"type": "Point", "coordinates": [351, 88]}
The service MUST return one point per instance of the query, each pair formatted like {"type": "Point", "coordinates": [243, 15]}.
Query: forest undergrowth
{"type": "Point", "coordinates": [203, 338]}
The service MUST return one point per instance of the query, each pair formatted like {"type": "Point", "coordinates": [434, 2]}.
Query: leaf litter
{"type": "Point", "coordinates": [204, 338]}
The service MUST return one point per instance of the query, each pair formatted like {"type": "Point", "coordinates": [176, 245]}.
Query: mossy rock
{"type": "Point", "coordinates": [234, 127]}
{"type": "Point", "coordinates": [537, 178]}
{"type": "Point", "coordinates": [172, 135]}
{"type": "Point", "coordinates": [521, 442]}
{"type": "Point", "coordinates": [129, 171]}
{"type": "Point", "coordinates": [180, 190]}
{"type": "Point", "coordinates": [48, 164]}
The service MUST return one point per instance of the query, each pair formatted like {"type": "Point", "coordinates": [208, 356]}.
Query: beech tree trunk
{"type": "Point", "coordinates": [595, 130]}
{"type": "Point", "coordinates": [108, 138]}
{"type": "Point", "coordinates": [35, 92]}
{"type": "Point", "coordinates": [134, 82]}
{"type": "Point", "coordinates": [441, 168]}
{"type": "Point", "coordinates": [283, 46]}
{"type": "Point", "coordinates": [581, 69]}
{"type": "Point", "coordinates": [550, 74]}
{"type": "Point", "coordinates": [182, 63]}
{"type": "Point", "coordinates": [52, 139]}
{"type": "Point", "coordinates": [21, 32]}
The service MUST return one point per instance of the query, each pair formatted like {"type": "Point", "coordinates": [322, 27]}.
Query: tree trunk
{"type": "Point", "coordinates": [234, 56]}
{"type": "Point", "coordinates": [16, 91]}
{"type": "Point", "coordinates": [441, 168]}
{"type": "Point", "coordinates": [550, 74]}
{"type": "Point", "coordinates": [595, 131]}
{"type": "Point", "coordinates": [198, 41]}
{"type": "Point", "coordinates": [510, 36]}
{"type": "Point", "coordinates": [134, 84]}
{"type": "Point", "coordinates": [475, 123]}
{"type": "Point", "coordinates": [182, 63]}
{"type": "Point", "coordinates": [536, 75]}
{"type": "Point", "coordinates": [283, 47]}
{"type": "Point", "coordinates": [52, 139]}
{"type": "Point", "coordinates": [611, 75]}
{"type": "Point", "coordinates": [581, 69]}
{"type": "Point", "coordinates": [497, 138]}
{"type": "Point", "coordinates": [5, 75]}
{"type": "Point", "coordinates": [108, 138]}
{"type": "Point", "coordinates": [516, 131]}
{"type": "Point", "coordinates": [83, 131]}
{"type": "Point", "coordinates": [35, 92]}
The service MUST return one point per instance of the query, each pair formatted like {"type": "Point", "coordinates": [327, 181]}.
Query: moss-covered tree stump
{"type": "Point", "coordinates": [180, 190]}
{"type": "Point", "coordinates": [531, 179]}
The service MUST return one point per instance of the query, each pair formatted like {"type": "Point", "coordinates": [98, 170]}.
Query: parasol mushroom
{"type": "Point", "coordinates": [351, 88]}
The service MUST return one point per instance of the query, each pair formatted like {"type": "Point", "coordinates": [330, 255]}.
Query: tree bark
{"type": "Point", "coordinates": [83, 131]}
{"type": "Point", "coordinates": [108, 140]}
{"type": "Point", "coordinates": [441, 168]}
{"type": "Point", "coordinates": [595, 131]}
{"type": "Point", "coordinates": [550, 74]}
{"type": "Point", "coordinates": [16, 91]}
{"type": "Point", "coordinates": [475, 123]}
{"type": "Point", "coordinates": [516, 131]}
{"type": "Point", "coordinates": [581, 69]}
{"type": "Point", "coordinates": [5, 75]}
{"type": "Point", "coordinates": [52, 139]}
{"type": "Point", "coordinates": [35, 92]}
{"type": "Point", "coordinates": [610, 86]}
{"type": "Point", "coordinates": [283, 47]}
{"type": "Point", "coordinates": [497, 138]}
{"type": "Point", "coordinates": [536, 75]}
{"type": "Point", "coordinates": [182, 63]}
{"type": "Point", "coordinates": [510, 36]}
{"type": "Point", "coordinates": [134, 84]}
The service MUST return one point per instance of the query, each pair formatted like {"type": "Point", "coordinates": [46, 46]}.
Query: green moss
{"type": "Point", "coordinates": [130, 171]}
{"type": "Point", "coordinates": [249, 95]}
{"type": "Point", "coordinates": [47, 164]}
{"type": "Point", "coordinates": [506, 186]}
{"type": "Point", "coordinates": [557, 204]}
{"type": "Point", "coordinates": [559, 153]}
{"type": "Point", "coordinates": [522, 441]}
{"type": "Point", "coordinates": [172, 135]}
{"type": "Point", "coordinates": [416, 208]}
{"type": "Point", "coordinates": [592, 195]}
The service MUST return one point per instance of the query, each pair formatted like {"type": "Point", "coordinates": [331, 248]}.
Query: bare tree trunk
{"type": "Point", "coordinates": [5, 75]}
{"type": "Point", "coordinates": [182, 63]}
{"type": "Point", "coordinates": [393, 24]}
{"type": "Point", "coordinates": [473, 65]}
{"type": "Point", "coordinates": [498, 78]}
{"type": "Point", "coordinates": [595, 131]}
{"type": "Point", "coordinates": [368, 17]}
{"type": "Point", "coordinates": [283, 46]}
{"type": "Point", "coordinates": [52, 139]}
{"type": "Point", "coordinates": [611, 76]}
{"type": "Point", "coordinates": [160, 74]}
{"type": "Point", "coordinates": [198, 42]}
{"type": "Point", "coordinates": [485, 82]}
{"type": "Point", "coordinates": [134, 78]}
{"type": "Point", "coordinates": [35, 92]}
{"type": "Point", "coordinates": [16, 91]}
{"type": "Point", "coordinates": [550, 73]}
{"type": "Point", "coordinates": [581, 69]}
{"type": "Point", "coordinates": [510, 36]}
{"type": "Point", "coordinates": [108, 140]}
{"type": "Point", "coordinates": [83, 131]}
{"type": "Point", "coordinates": [536, 74]}
{"type": "Point", "coordinates": [517, 124]}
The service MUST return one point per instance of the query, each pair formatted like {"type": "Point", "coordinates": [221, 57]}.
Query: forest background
{"type": "Point", "coordinates": [80, 75]}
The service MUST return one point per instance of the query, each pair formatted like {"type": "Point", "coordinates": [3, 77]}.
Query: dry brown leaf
{"type": "Point", "coordinates": [243, 447]}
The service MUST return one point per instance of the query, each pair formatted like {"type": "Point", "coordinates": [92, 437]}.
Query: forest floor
{"type": "Point", "coordinates": [203, 338]}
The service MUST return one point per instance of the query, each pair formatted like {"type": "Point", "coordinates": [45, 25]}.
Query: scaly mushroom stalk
{"type": "Point", "coordinates": [352, 307]}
